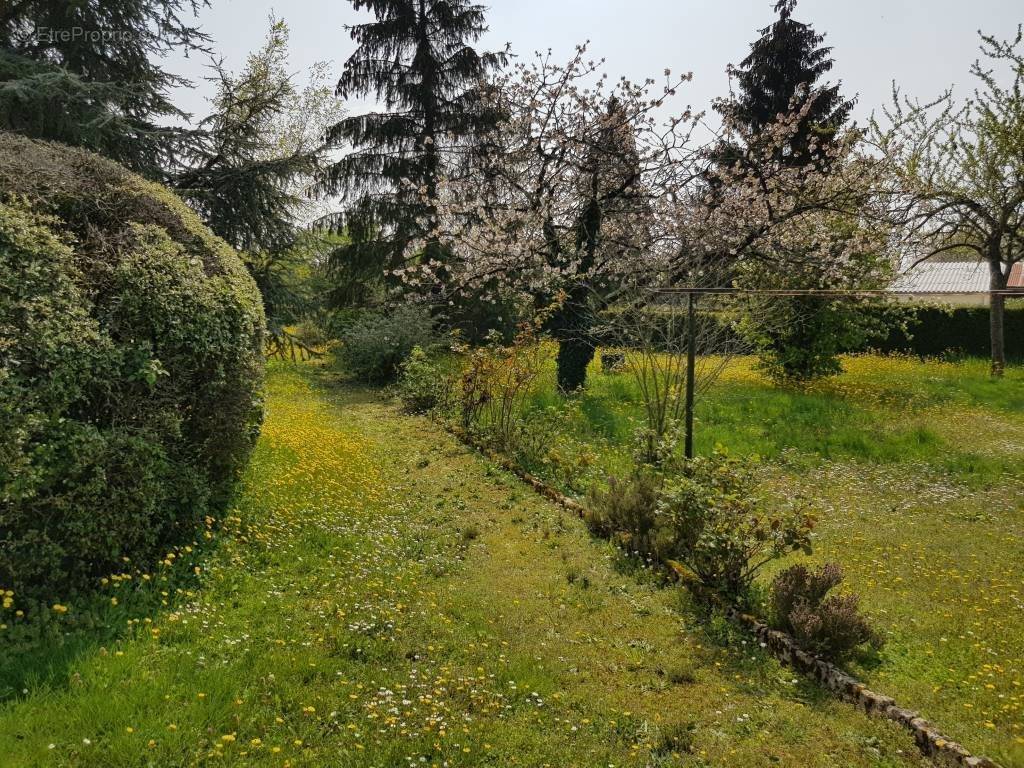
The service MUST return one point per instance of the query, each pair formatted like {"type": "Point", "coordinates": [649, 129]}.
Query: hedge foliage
{"type": "Point", "coordinates": [130, 368]}
{"type": "Point", "coordinates": [932, 331]}
{"type": "Point", "coordinates": [928, 331]}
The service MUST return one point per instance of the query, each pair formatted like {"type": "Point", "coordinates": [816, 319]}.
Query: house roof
{"type": "Point", "coordinates": [944, 277]}
{"type": "Point", "coordinates": [1016, 276]}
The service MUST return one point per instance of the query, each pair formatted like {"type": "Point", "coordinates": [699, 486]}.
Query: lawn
{"type": "Point", "coordinates": [916, 470]}
{"type": "Point", "coordinates": [380, 596]}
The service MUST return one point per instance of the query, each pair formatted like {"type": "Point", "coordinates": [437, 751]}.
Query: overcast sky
{"type": "Point", "coordinates": [926, 45]}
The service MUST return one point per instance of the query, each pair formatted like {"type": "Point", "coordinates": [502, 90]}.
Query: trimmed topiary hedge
{"type": "Point", "coordinates": [933, 331]}
{"type": "Point", "coordinates": [130, 368]}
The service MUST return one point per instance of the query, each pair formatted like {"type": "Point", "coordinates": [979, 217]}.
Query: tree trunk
{"type": "Point", "coordinates": [574, 355]}
{"type": "Point", "coordinates": [997, 304]}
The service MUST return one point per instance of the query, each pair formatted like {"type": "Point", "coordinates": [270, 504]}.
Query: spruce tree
{"type": "Point", "coordinates": [781, 72]}
{"type": "Point", "coordinates": [416, 59]}
{"type": "Point", "coordinates": [799, 337]}
{"type": "Point", "coordinates": [87, 74]}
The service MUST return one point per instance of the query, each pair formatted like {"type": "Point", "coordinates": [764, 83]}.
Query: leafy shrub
{"type": "Point", "coordinates": [704, 521]}
{"type": "Point", "coordinates": [723, 533]}
{"type": "Point", "coordinates": [374, 347]}
{"type": "Point", "coordinates": [495, 382]}
{"type": "Point", "coordinates": [422, 385]}
{"type": "Point", "coordinates": [130, 367]}
{"type": "Point", "coordinates": [831, 626]}
{"type": "Point", "coordinates": [800, 338]}
{"type": "Point", "coordinates": [625, 511]}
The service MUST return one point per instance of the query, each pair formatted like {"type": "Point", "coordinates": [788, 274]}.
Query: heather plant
{"type": "Point", "coordinates": [625, 512]}
{"type": "Point", "coordinates": [829, 625]}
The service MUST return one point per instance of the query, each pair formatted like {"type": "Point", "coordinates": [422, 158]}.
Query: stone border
{"type": "Point", "coordinates": [928, 738]}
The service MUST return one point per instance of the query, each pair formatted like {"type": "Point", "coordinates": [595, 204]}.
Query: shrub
{"type": "Point", "coordinates": [800, 338]}
{"type": "Point", "coordinates": [495, 382]}
{"type": "Point", "coordinates": [422, 385]}
{"type": "Point", "coordinates": [130, 366]}
{"type": "Point", "coordinates": [374, 347]}
{"type": "Point", "coordinates": [831, 626]}
{"type": "Point", "coordinates": [703, 520]}
{"type": "Point", "coordinates": [722, 533]}
{"type": "Point", "coordinates": [625, 511]}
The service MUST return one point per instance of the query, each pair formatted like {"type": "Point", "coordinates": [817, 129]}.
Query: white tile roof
{"type": "Point", "coordinates": [944, 277]}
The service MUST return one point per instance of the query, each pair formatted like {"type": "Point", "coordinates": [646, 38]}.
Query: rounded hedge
{"type": "Point", "coordinates": [130, 368]}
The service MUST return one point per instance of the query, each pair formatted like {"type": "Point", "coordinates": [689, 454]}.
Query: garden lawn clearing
{"type": "Point", "coordinates": [383, 597]}
{"type": "Point", "coordinates": [915, 471]}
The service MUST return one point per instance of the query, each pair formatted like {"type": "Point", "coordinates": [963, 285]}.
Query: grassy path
{"type": "Point", "coordinates": [386, 598]}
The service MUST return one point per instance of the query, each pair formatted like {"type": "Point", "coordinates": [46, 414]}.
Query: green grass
{"type": "Point", "coordinates": [917, 472]}
{"type": "Point", "coordinates": [380, 596]}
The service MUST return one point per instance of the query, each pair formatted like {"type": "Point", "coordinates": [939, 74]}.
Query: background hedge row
{"type": "Point", "coordinates": [930, 331]}
{"type": "Point", "coordinates": [933, 331]}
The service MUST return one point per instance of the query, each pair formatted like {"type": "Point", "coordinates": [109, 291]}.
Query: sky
{"type": "Point", "coordinates": [925, 45]}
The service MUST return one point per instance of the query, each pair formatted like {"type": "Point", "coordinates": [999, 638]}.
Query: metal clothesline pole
{"type": "Point", "coordinates": [691, 366]}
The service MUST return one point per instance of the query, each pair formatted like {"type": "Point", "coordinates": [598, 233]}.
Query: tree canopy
{"type": "Point", "coordinates": [88, 74]}
{"type": "Point", "coordinates": [416, 58]}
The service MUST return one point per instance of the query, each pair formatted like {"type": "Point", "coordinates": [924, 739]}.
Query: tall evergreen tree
{"type": "Point", "coordinates": [781, 72]}
{"type": "Point", "coordinates": [799, 337]}
{"type": "Point", "coordinates": [253, 162]}
{"type": "Point", "coordinates": [86, 73]}
{"type": "Point", "coordinates": [416, 58]}
{"type": "Point", "coordinates": [243, 176]}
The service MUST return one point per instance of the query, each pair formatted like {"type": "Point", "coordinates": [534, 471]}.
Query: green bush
{"type": "Point", "coordinates": [374, 346]}
{"type": "Point", "coordinates": [831, 626]}
{"type": "Point", "coordinates": [723, 533]}
{"type": "Point", "coordinates": [703, 519]}
{"type": "Point", "coordinates": [800, 338]}
{"type": "Point", "coordinates": [130, 366]}
{"type": "Point", "coordinates": [422, 385]}
{"type": "Point", "coordinates": [933, 331]}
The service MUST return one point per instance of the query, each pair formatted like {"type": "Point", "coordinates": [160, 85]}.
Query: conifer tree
{"type": "Point", "coordinates": [799, 337]}
{"type": "Point", "coordinates": [778, 76]}
{"type": "Point", "coordinates": [253, 163]}
{"type": "Point", "coordinates": [88, 74]}
{"type": "Point", "coordinates": [416, 59]}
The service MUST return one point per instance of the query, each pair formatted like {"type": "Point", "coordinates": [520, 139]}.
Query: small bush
{"type": "Point", "coordinates": [723, 533]}
{"type": "Point", "coordinates": [831, 626]}
{"type": "Point", "coordinates": [625, 511]}
{"type": "Point", "coordinates": [495, 381]}
{"type": "Point", "coordinates": [374, 347]}
{"type": "Point", "coordinates": [422, 385]}
{"type": "Point", "coordinates": [802, 337]}
{"type": "Point", "coordinates": [705, 522]}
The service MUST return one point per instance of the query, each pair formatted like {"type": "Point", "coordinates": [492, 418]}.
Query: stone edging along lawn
{"type": "Point", "coordinates": [928, 738]}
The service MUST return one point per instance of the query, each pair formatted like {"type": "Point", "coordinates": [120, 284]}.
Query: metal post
{"type": "Point", "coordinates": [691, 361]}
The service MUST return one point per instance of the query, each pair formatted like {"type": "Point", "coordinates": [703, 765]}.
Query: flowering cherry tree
{"type": "Point", "coordinates": [957, 173]}
{"type": "Point", "coordinates": [585, 191]}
